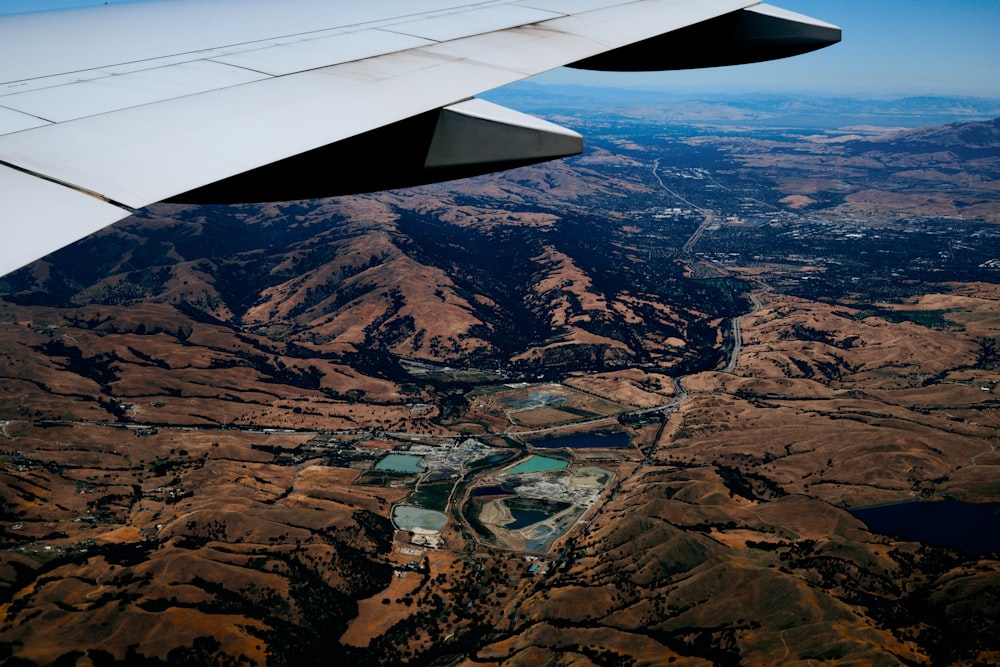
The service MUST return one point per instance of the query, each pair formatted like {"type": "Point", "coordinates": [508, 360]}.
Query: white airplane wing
{"type": "Point", "coordinates": [108, 109]}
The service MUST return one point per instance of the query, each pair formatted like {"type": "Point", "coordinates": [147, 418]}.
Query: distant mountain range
{"type": "Point", "coordinates": [977, 139]}
{"type": "Point", "coordinates": [760, 108]}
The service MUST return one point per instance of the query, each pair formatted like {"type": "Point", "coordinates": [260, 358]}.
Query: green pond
{"type": "Point", "coordinates": [537, 464]}
{"type": "Point", "coordinates": [400, 463]}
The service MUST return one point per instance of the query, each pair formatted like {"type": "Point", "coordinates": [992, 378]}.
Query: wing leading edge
{"type": "Point", "coordinates": [100, 116]}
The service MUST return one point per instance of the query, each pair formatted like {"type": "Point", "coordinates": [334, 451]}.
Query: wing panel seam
{"type": "Point", "coordinates": [26, 113]}
{"type": "Point", "coordinates": [353, 27]}
{"type": "Point", "coordinates": [68, 185]}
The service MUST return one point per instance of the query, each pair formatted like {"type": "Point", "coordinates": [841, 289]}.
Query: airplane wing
{"type": "Point", "coordinates": [107, 109]}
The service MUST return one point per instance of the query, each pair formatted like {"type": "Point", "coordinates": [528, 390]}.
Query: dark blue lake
{"type": "Point", "coordinates": [596, 440]}
{"type": "Point", "coordinates": [971, 527]}
{"type": "Point", "coordinates": [525, 518]}
{"type": "Point", "coordinates": [482, 491]}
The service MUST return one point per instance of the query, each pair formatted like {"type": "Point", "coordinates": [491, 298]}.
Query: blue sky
{"type": "Point", "coordinates": [890, 47]}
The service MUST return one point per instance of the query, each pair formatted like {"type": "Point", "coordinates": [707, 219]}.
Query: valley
{"type": "Point", "coordinates": [612, 410]}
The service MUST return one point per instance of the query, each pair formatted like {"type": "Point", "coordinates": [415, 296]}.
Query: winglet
{"type": "Point", "coordinates": [751, 35]}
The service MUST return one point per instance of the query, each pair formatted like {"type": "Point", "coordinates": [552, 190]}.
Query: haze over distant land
{"type": "Point", "coordinates": [892, 47]}
{"type": "Point", "coordinates": [751, 110]}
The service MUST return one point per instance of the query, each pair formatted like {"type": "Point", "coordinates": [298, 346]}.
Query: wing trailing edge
{"type": "Point", "coordinates": [469, 138]}
{"type": "Point", "coordinates": [44, 216]}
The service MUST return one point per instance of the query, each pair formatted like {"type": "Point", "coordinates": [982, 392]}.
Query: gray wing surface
{"type": "Point", "coordinates": [108, 109]}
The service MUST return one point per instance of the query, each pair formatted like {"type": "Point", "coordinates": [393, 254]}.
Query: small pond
{"type": "Point", "coordinates": [525, 517]}
{"type": "Point", "coordinates": [594, 440]}
{"type": "Point", "coordinates": [408, 517]}
{"type": "Point", "coordinates": [484, 491]}
{"type": "Point", "coordinates": [537, 464]}
{"type": "Point", "coordinates": [400, 463]}
{"type": "Point", "coordinates": [542, 537]}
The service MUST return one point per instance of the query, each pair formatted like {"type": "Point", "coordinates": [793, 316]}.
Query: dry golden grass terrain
{"type": "Point", "coordinates": [188, 431]}
{"type": "Point", "coordinates": [736, 540]}
{"type": "Point", "coordinates": [177, 539]}
{"type": "Point", "coordinates": [192, 538]}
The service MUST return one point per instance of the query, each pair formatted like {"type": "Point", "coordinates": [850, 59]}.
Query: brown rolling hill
{"type": "Point", "coordinates": [191, 403]}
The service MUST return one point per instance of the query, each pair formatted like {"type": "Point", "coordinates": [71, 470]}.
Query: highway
{"type": "Point", "coordinates": [734, 358]}
{"type": "Point", "coordinates": [703, 268]}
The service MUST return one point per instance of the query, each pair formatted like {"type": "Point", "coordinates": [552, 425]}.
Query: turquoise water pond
{"type": "Point", "coordinates": [537, 464]}
{"type": "Point", "coordinates": [400, 463]}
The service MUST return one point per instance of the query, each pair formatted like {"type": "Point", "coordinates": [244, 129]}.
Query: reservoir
{"type": "Point", "coordinates": [594, 440]}
{"type": "Point", "coordinates": [537, 464]}
{"type": "Point", "coordinates": [972, 527]}
{"type": "Point", "coordinates": [400, 463]}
